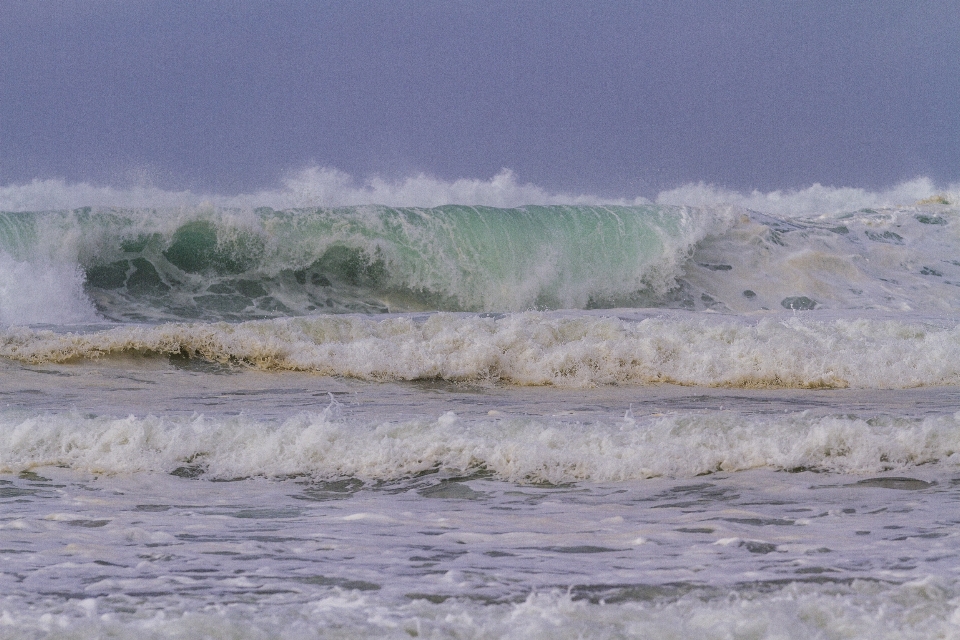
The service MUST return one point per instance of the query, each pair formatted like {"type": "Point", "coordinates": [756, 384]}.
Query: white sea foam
{"type": "Point", "coordinates": [582, 350]}
{"type": "Point", "coordinates": [42, 291]}
{"type": "Point", "coordinates": [519, 449]}
{"type": "Point", "coordinates": [893, 260]}
{"type": "Point", "coordinates": [814, 200]}
{"type": "Point", "coordinates": [920, 610]}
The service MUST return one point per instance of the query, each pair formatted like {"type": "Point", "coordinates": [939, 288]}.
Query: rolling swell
{"type": "Point", "coordinates": [217, 264]}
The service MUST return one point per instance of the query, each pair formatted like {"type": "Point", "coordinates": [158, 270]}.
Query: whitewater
{"type": "Point", "coordinates": [476, 408]}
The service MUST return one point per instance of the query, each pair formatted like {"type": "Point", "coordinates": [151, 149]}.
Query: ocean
{"type": "Point", "coordinates": [240, 419]}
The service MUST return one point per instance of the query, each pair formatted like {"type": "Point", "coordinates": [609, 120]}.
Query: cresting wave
{"type": "Point", "coordinates": [561, 349]}
{"type": "Point", "coordinates": [145, 265]}
{"type": "Point", "coordinates": [127, 265]}
{"type": "Point", "coordinates": [327, 445]}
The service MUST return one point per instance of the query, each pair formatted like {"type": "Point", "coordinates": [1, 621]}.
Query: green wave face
{"type": "Point", "coordinates": [151, 265]}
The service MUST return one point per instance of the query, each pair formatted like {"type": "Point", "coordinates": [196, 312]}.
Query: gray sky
{"type": "Point", "coordinates": [617, 98]}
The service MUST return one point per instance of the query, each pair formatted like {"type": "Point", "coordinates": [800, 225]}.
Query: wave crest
{"type": "Point", "coordinates": [317, 186]}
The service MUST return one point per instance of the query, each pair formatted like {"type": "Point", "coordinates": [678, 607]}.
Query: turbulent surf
{"type": "Point", "coordinates": [633, 419]}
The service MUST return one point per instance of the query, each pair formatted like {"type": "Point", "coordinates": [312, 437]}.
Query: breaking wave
{"type": "Point", "coordinates": [575, 351]}
{"type": "Point", "coordinates": [208, 264]}
{"type": "Point", "coordinates": [145, 265]}
{"type": "Point", "coordinates": [520, 449]}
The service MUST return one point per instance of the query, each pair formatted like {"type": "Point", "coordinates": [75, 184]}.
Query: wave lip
{"type": "Point", "coordinates": [317, 186]}
{"type": "Point", "coordinates": [575, 351]}
{"type": "Point", "coordinates": [310, 187]}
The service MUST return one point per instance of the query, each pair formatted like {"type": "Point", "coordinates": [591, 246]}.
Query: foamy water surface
{"type": "Point", "coordinates": [346, 408]}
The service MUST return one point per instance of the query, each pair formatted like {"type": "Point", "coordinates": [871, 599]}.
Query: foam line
{"type": "Point", "coordinates": [519, 449]}
{"type": "Point", "coordinates": [544, 349]}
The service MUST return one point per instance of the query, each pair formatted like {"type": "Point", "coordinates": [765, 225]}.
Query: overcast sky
{"type": "Point", "coordinates": [616, 98]}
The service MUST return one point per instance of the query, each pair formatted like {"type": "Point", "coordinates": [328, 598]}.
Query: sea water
{"type": "Point", "coordinates": [587, 420]}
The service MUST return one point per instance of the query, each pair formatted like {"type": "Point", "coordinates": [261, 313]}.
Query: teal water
{"type": "Point", "coordinates": [157, 265]}
{"type": "Point", "coordinates": [206, 263]}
